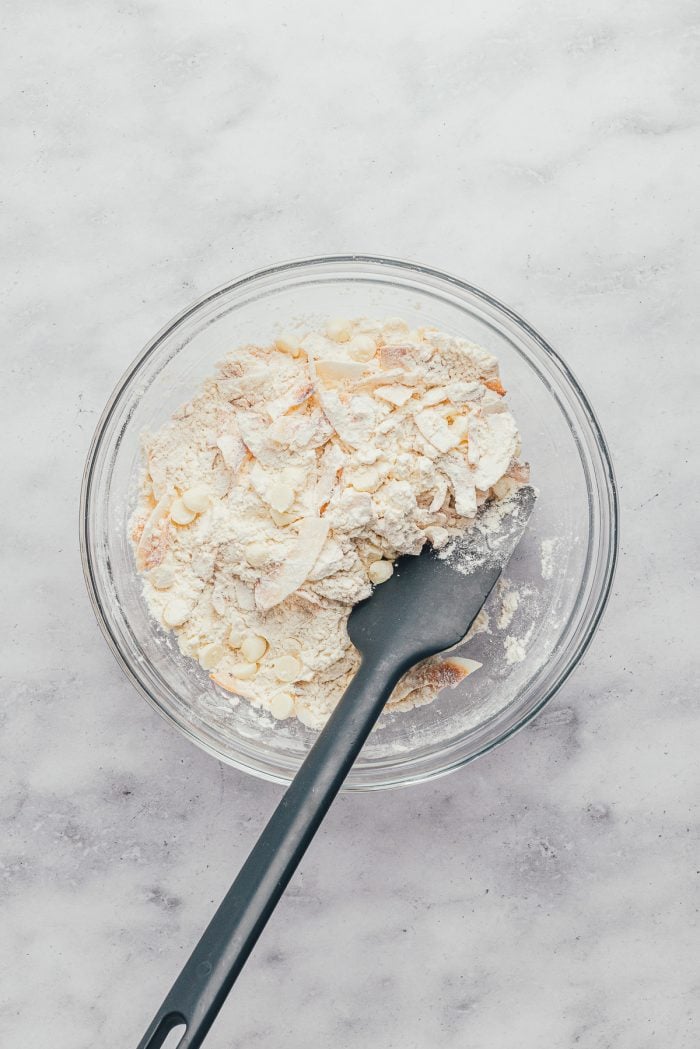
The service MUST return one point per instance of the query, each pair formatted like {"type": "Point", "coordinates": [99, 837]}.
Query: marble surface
{"type": "Point", "coordinates": [547, 895]}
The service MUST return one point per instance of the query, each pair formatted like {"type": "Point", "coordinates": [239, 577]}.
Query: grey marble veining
{"type": "Point", "coordinates": [547, 895]}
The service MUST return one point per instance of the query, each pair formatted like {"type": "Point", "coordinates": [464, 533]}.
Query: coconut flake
{"type": "Point", "coordinates": [436, 429]}
{"type": "Point", "coordinates": [395, 394]}
{"type": "Point", "coordinates": [397, 356]}
{"type": "Point", "coordinates": [232, 449]}
{"type": "Point", "coordinates": [463, 485]}
{"type": "Point", "coordinates": [292, 399]}
{"type": "Point", "coordinates": [311, 535]}
{"type": "Point", "coordinates": [354, 423]}
{"type": "Point", "coordinates": [463, 392]}
{"type": "Point", "coordinates": [456, 668]}
{"type": "Point", "coordinates": [338, 371]}
{"type": "Point", "coordinates": [329, 467]}
{"type": "Point", "coordinates": [497, 436]}
{"type": "Point", "coordinates": [439, 496]}
{"type": "Point", "coordinates": [254, 431]}
{"type": "Point", "coordinates": [150, 550]}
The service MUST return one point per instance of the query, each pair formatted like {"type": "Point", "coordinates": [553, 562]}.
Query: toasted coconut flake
{"type": "Point", "coordinates": [396, 356]}
{"type": "Point", "coordinates": [354, 423]}
{"type": "Point", "coordinates": [309, 597]}
{"type": "Point", "coordinates": [449, 672]}
{"type": "Point", "coordinates": [465, 666]}
{"type": "Point", "coordinates": [433, 396]}
{"type": "Point", "coordinates": [520, 472]}
{"type": "Point", "coordinates": [435, 428]}
{"type": "Point", "coordinates": [254, 434]}
{"type": "Point", "coordinates": [226, 680]}
{"type": "Point", "coordinates": [498, 440]}
{"type": "Point", "coordinates": [496, 386]}
{"type": "Point", "coordinates": [292, 399]}
{"type": "Point", "coordinates": [381, 378]}
{"type": "Point", "coordinates": [312, 534]}
{"type": "Point", "coordinates": [395, 394]}
{"type": "Point", "coordinates": [339, 371]}
{"type": "Point", "coordinates": [439, 496]}
{"type": "Point", "coordinates": [137, 530]}
{"type": "Point", "coordinates": [155, 538]}
{"type": "Point", "coordinates": [329, 468]}
{"type": "Point", "coordinates": [464, 392]}
{"type": "Point", "coordinates": [232, 449]}
{"type": "Point", "coordinates": [463, 486]}
{"type": "Point", "coordinates": [297, 431]}
{"type": "Point", "coordinates": [230, 389]}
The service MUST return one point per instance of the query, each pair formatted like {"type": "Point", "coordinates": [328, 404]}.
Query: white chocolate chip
{"type": "Point", "coordinates": [288, 343]}
{"type": "Point", "coordinates": [380, 571]}
{"type": "Point", "coordinates": [257, 554]}
{"type": "Point", "coordinates": [287, 668]}
{"type": "Point", "coordinates": [244, 671]}
{"type": "Point", "coordinates": [253, 647]}
{"type": "Point", "coordinates": [280, 496]}
{"type": "Point", "coordinates": [437, 536]}
{"type": "Point", "coordinates": [367, 480]}
{"type": "Point", "coordinates": [338, 330]}
{"type": "Point", "coordinates": [161, 577]}
{"type": "Point", "coordinates": [282, 707]}
{"type": "Point", "coordinates": [197, 498]}
{"type": "Point", "coordinates": [210, 655]}
{"type": "Point", "coordinates": [368, 455]}
{"type": "Point", "coordinates": [307, 718]}
{"type": "Point", "coordinates": [176, 612]}
{"type": "Point", "coordinates": [362, 348]}
{"type": "Point", "coordinates": [181, 514]}
{"type": "Point", "coordinates": [371, 553]}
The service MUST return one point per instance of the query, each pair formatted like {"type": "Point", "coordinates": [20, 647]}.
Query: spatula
{"type": "Point", "coordinates": [427, 606]}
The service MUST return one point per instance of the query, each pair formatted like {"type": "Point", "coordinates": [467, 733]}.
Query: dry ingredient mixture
{"type": "Point", "coordinates": [279, 496]}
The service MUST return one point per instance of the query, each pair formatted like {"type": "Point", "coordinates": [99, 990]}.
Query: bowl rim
{"type": "Point", "coordinates": [417, 269]}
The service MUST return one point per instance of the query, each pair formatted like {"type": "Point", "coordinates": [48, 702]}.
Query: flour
{"type": "Point", "coordinates": [515, 649]}
{"type": "Point", "coordinates": [510, 600]}
{"type": "Point", "coordinates": [547, 558]}
{"type": "Point", "coordinates": [283, 492]}
{"type": "Point", "coordinates": [487, 542]}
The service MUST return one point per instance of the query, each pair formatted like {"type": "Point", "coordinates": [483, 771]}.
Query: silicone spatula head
{"type": "Point", "coordinates": [430, 601]}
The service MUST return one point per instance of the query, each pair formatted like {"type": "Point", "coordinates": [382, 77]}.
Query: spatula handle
{"type": "Point", "coordinates": [207, 977]}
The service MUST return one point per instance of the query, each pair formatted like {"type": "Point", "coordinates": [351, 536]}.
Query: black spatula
{"type": "Point", "coordinates": [426, 607]}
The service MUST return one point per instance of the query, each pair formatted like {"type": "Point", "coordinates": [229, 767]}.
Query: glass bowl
{"type": "Point", "coordinates": [561, 571]}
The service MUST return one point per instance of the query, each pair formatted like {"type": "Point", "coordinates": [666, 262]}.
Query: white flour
{"type": "Point", "coordinates": [277, 498]}
{"type": "Point", "coordinates": [515, 649]}
{"type": "Point", "coordinates": [547, 558]}
{"type": "Point", "coordinates": [510, 599]}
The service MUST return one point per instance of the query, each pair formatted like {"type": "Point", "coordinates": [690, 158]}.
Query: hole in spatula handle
{"type": "Point", "coordinates": [168, 1034]}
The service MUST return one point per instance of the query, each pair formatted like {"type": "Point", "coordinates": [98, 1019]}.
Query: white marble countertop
{"type": "Point", "coordinates": [546, 895]}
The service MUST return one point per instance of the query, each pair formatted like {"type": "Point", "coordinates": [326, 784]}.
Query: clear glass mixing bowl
{"type": "Point", "coordinates": [562, 569]}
